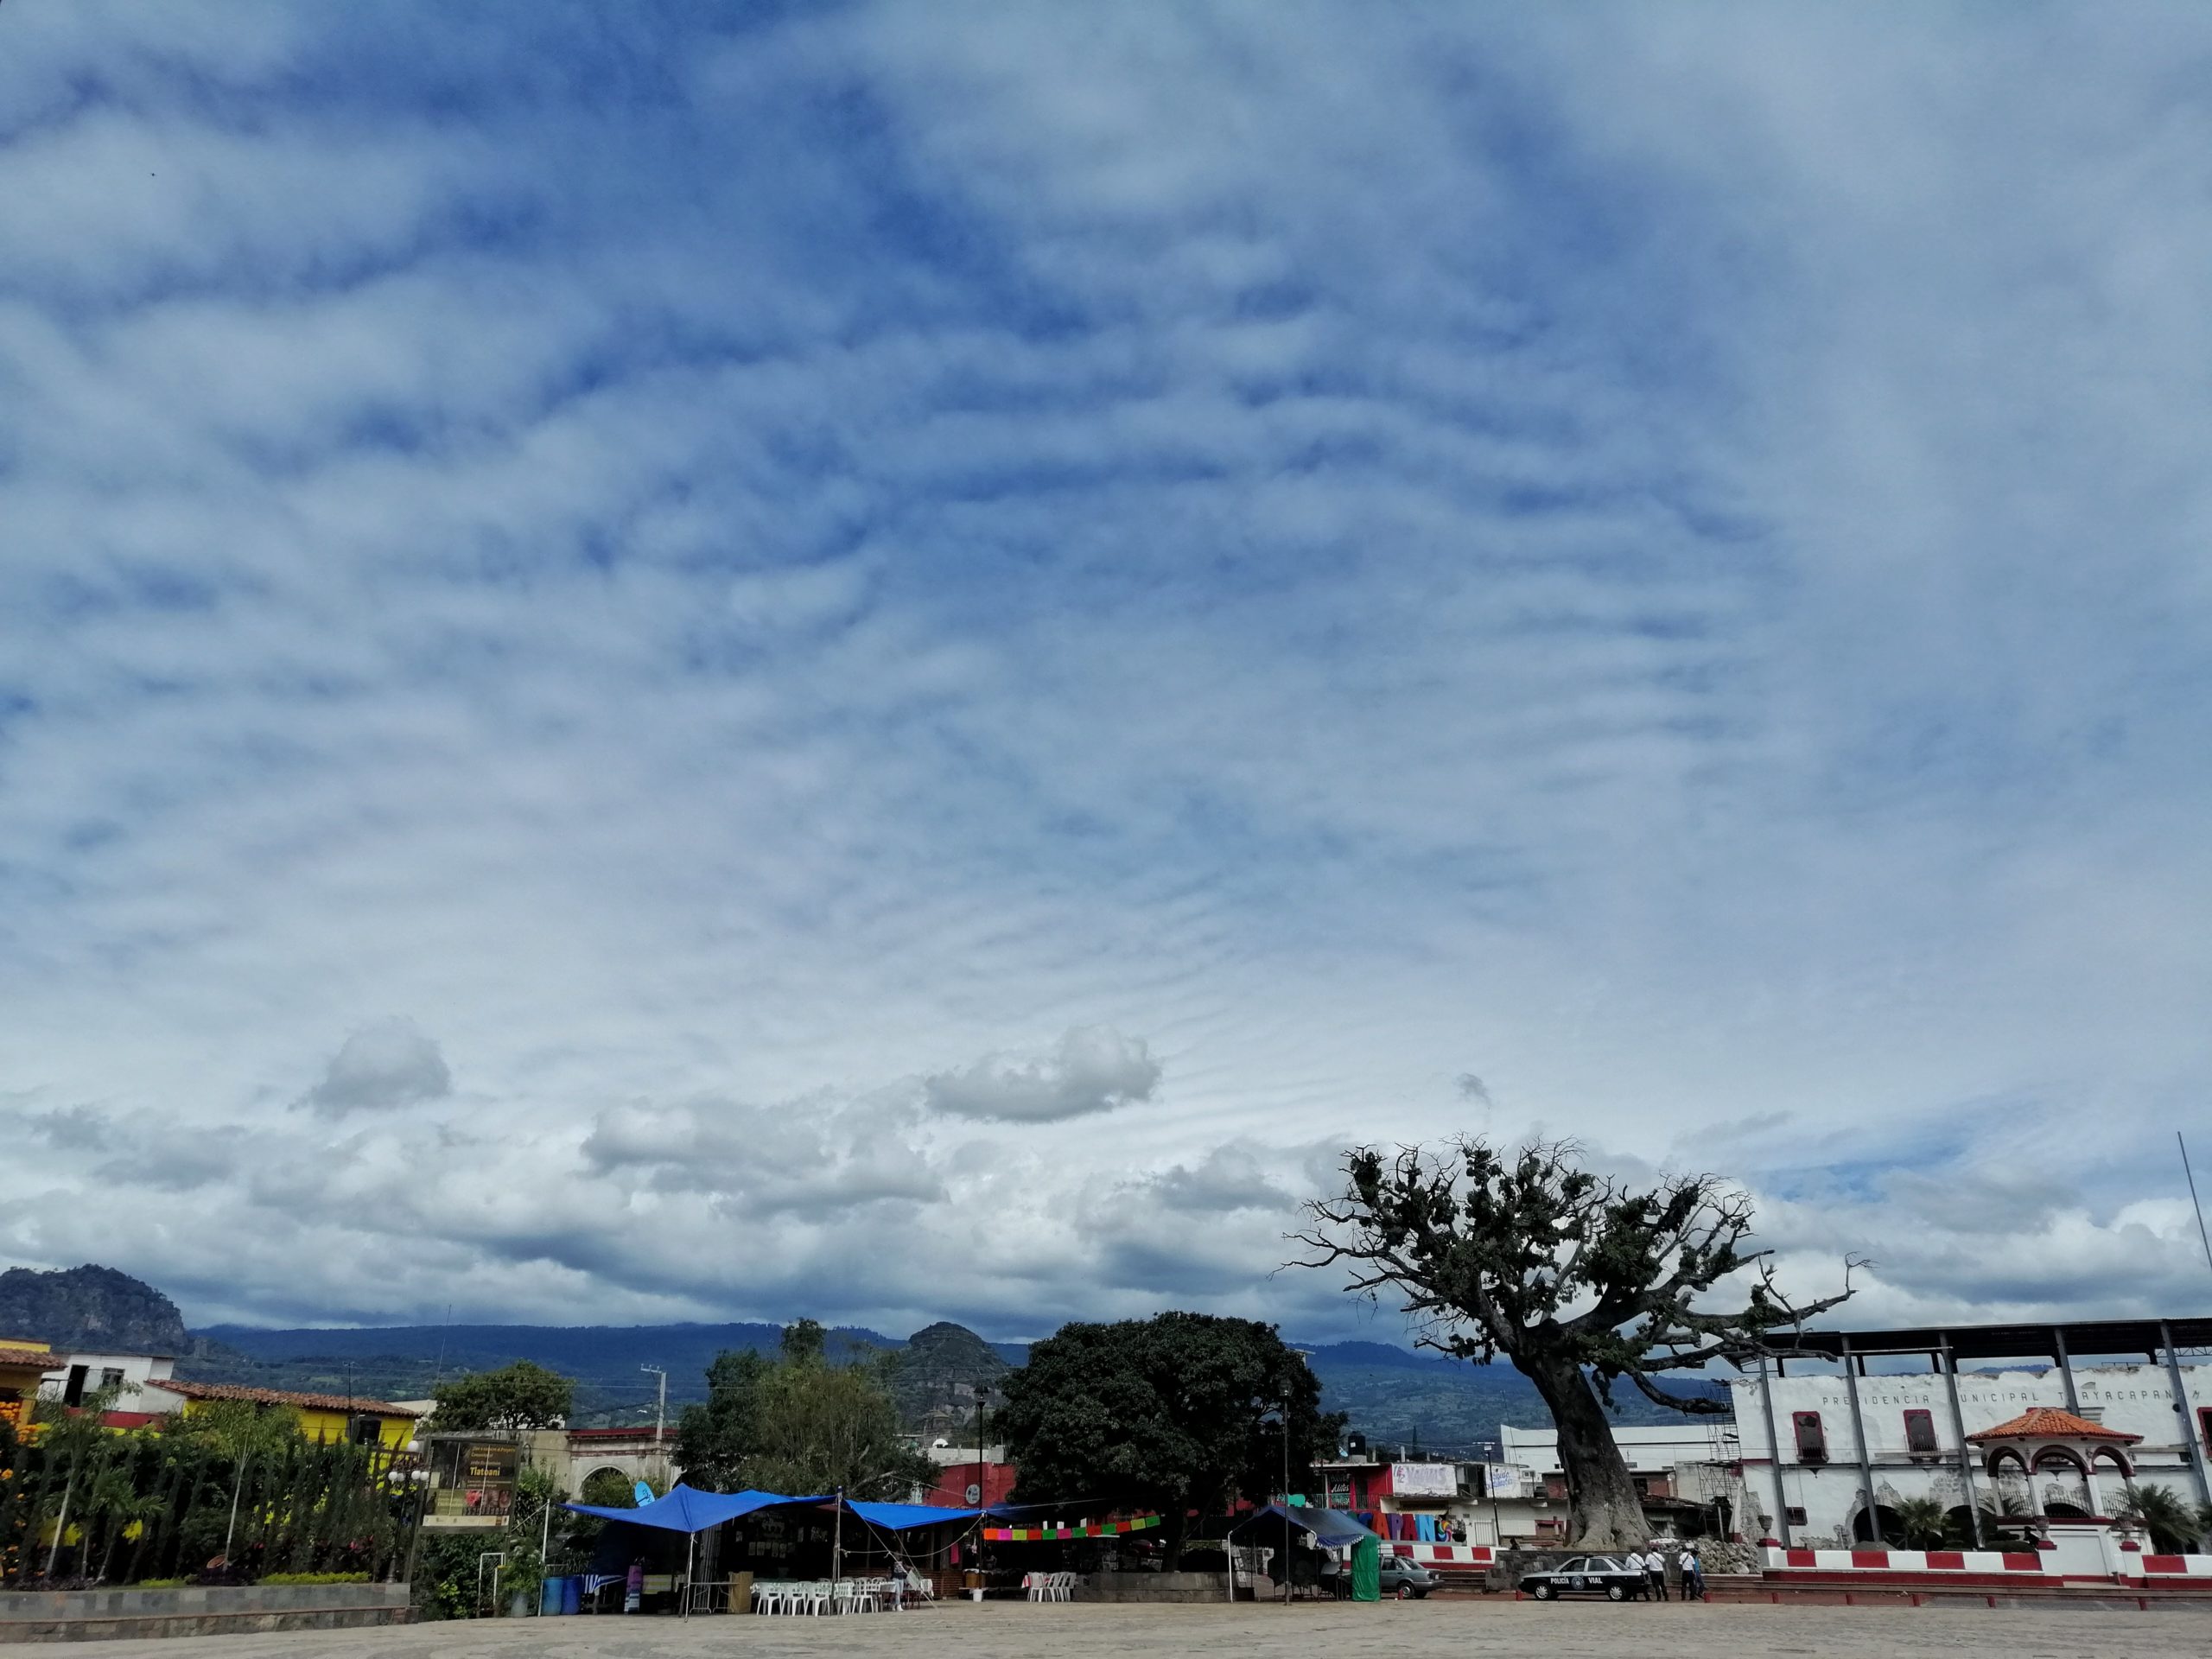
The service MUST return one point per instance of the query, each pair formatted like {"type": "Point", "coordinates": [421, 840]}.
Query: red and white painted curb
{"type": "Point", "coordinates": [2178, 1566]}
{"type": "Point", "coordinates": [2028, 1562]}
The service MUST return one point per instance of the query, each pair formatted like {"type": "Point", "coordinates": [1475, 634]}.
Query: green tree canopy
{"type": "Point", "coordinates": [520, 1396]}
{"type": "Point", "coordinates": [715, 1441]}
{"type": "Point", "coordinates": [1179, 1411]}
{"type": "Point", "coordinates": [239, 1429]}
{"type": "Point", "coordinates": [609, 1489]}
{"type": "Point", "coordinates": [798, 1424]}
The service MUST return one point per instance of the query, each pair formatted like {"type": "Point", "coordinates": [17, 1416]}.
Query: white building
{"type": "Point", "coordinates": [1858, 1432]}
{"type": "Point", "coordinates": [75, 1376]}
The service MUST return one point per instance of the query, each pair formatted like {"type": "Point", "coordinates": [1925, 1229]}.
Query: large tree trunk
{"type": "Point", "coordinates": [1602, 1512]}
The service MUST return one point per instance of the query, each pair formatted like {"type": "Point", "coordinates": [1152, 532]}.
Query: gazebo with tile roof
{"type": "Point", "coordinates": [2043, 1436]}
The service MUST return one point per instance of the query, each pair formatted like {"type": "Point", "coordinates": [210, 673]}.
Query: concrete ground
{"type": "Point", "coordinates": [1386, 1630]}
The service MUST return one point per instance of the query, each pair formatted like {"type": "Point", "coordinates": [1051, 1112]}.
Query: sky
{"type": "Point", "coordinates": [690, 662]}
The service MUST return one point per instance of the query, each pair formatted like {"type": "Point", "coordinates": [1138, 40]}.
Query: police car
{"type": "Point", "coordinates": [1585, 1575]}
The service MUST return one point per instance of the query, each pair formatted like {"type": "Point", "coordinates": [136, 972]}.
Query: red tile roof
{"type": "Point", "coordinates": [15, 1353]}
{"type": "Point", "coordinates": [2050, 1423]}
{"type": "Point", "coordinates": [281, 1398]}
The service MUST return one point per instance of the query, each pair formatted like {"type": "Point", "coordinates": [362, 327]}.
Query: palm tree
{"type": "Point", "coordinates": [2173, 1524]}
{"type": "Point", "coordinates": [113, 1503]}
{"type": "Point", "coordinates": [1921, 1522]}
{"type": "Point", "coordinates": [77, 1435]}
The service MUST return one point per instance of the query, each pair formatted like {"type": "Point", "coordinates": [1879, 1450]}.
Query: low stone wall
{"type": "Point", "coordinates": [1153, 1586]}
{"type": "Point", "coordinates": [212, 1610]}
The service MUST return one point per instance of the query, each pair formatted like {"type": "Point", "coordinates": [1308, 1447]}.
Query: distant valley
{"type": "Point", "coordinates": [1396, 1396]}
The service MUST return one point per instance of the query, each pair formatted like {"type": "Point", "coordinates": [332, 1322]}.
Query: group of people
{"type": "Point", "coordinates": [1653, 1565]}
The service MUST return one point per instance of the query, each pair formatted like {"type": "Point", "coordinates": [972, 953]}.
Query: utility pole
{"type": "Point", "coordinates": [2202, 1237]}
{"type": "Point", "coordinates": [660, 1419]}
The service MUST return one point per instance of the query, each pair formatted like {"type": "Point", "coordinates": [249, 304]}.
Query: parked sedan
{"type": "Point", "coordinates": [1406, 1580]}
{"type": "Point", "coordinates": [1396, 1575]}
{"type": "Point", "coordinates": [1585, 1575]}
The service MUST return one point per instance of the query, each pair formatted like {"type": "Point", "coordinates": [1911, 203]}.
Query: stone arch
{"type": "Point", "coordinates": [2118, 1459]}
{"type": "Point", "coordinates": [1885, 1528]}
{"type": "Point", "coordinates": [2047, 1455]}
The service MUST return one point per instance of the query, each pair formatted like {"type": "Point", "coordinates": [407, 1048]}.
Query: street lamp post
{"type": "Point", "coordinates": [1299, 1354]}
{"type": "Point", "coordinates": [660, 1419]}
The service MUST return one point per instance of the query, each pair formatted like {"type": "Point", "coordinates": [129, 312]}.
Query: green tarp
{"type": "Point", "coordinates": [1367, 1570]}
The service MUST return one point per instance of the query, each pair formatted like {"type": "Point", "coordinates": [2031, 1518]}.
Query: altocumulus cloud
{"type": "Point", "coordinates": [1090, 1068]}
{"type": "Point", "coordinates": [1321, 552]}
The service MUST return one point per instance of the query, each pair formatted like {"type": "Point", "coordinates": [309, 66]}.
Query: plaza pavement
{"type": "Point", "coordinates": [1448, 1628]}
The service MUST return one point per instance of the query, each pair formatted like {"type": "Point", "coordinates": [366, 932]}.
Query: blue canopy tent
{"type": "Point", "coordinates": [1330, 1530]}
{"type": "Point", "coordinates": [686, 1509]}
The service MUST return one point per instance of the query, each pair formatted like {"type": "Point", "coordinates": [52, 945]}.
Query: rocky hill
{"type": "Point", "coordinates": [935, 1376]}
{"type": "Point", "coordinates": [91, 1307]}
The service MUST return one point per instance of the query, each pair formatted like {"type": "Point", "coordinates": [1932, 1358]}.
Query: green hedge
{"type": "Point", "coordinates": [149, 1507]}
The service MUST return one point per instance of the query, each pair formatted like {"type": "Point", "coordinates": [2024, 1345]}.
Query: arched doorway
{"type": "Point", "coordinates": [1885, 1529]}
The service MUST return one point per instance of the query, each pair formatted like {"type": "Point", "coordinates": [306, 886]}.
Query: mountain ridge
{"type": "Point", "coordinates": [1397, 1396]}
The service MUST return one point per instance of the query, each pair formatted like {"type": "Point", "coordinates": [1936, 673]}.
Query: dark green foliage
{"type": "Point", "coordinates": [2174, 1524]}
{"type": "Point", "coordinates": [714, 1441]}
{"type": "Point", "coordinates": [301, 1507]}
{"type": "Point", "coordinates": [1179, 1412]}
{"type": "Point", "coordinates": [446, 1575]}
{"type": "Point", "coordinates": [798, 1424]}
{"type": "Point", "coordinates": [1919, 1523]}
{"type": "Point", "coordinates": [520, 1396]}
{"type": "Point", "coordinates": [608, 1489]}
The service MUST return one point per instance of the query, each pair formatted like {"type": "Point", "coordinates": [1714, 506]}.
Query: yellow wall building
{"type": "Point", "coordinates": [321, 1416]}
{"type": "Point", "coordinates": [22, 1363]}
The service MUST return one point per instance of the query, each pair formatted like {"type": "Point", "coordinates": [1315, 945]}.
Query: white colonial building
{"type": "Point", "coordinates": [2002, 1420]}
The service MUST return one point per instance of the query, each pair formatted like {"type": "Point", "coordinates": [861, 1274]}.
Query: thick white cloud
{"type": "Point", "coordinates": [1090, 1068]}
{"type": "Point", "coordinates": [1324, 557]}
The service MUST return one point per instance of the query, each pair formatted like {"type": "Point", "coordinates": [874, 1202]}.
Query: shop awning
{"type": "Point", "coordinates": [1332, 1528]}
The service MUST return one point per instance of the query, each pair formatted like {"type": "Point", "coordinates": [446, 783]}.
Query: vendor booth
{"type": "Point", "coordinates": [768, 1552]}
{"type": "Point", "coordinates": [1304, 1545]}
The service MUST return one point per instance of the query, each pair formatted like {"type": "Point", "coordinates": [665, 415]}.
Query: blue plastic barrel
{"type": "Point", "coordinates": [572, 1595]}
{"type": "Point", "coordinates": [550, 1595]}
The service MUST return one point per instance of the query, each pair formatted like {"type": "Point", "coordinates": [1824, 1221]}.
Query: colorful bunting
{"type": "Point", "coordinates": [1045, 1534]}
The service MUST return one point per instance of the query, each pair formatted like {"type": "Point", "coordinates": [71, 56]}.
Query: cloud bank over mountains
{"type": "Point", "coordinates": [900, 661]}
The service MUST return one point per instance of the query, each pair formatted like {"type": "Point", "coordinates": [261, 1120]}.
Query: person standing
{"type": "Point", "coordinates": [1634, 1562]}
{"type": "Point", "coordinates": [1655, 1573]}
{"type": "Point", "coordinates": [1693, 1574]}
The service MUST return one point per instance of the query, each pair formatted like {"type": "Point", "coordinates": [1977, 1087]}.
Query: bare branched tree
{"type": "Point", "coordinates": [1576, 1278]}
